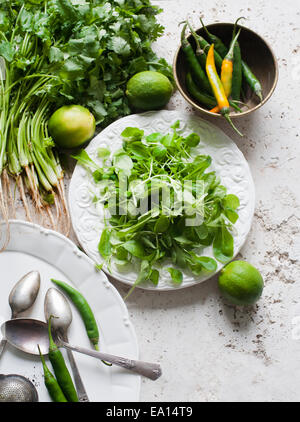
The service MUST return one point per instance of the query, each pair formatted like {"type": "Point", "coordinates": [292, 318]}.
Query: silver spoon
{"type": "Point", "coordinates": [57, 305]}
{"type": "Point", "coordinates": [26, 333]}
{"type": "Point", "coordinates": [22, 296]}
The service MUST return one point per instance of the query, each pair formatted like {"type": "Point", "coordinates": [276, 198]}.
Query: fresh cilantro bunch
{"type": "Point", "coordinates": [58, 52]}
{"type": "Point", "coordinates": [143, 229]}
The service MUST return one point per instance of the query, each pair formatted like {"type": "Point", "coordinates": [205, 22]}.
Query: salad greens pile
{"type": "Point", "coordinates": [162, 205]}
{"type": "Point", "coordinates": [58, 52]}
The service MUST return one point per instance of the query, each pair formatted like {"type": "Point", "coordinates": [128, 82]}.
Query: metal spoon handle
{"type": "Point", "coordinates": [82, 395]}
{"type": "Point", "coordinates": [2, 345]}
{"type": "Point", "coordinates": [149, 370]}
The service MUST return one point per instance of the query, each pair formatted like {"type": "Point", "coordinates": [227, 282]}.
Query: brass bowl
{"type": "Point", "coordinates": [255, 52]}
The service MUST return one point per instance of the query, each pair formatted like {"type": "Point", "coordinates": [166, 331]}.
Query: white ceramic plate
{"type": "Point", "coordinates": [32, 247]}
{"type": "Point", "coordinates": [227, 160]}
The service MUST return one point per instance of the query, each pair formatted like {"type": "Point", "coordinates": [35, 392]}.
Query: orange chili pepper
{"type": "Point", "coordinates": [227, 67]}
{"type": "Point", "coordinates": [217, 87]}
{"type": "Point", "coordinates": [215, 109]}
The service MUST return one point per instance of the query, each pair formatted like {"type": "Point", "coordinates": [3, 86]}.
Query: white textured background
{"type": "Point", "coordinates": [210, 351]}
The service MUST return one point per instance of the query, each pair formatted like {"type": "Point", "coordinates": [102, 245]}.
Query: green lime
{"type": "Point", "coordinates": [71, 126]}
{"type": "Point", "coordinates": [149, 90]}
{"type": "Point", "coordinates": [241, 283]}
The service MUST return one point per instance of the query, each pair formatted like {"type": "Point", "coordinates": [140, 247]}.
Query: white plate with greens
{"type": "Point", "coordinates": [32, 247]}
{"type": "Point", "coordinates": [165, 149]}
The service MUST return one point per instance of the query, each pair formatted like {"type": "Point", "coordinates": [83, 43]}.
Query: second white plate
{"type": "Point", "coordinates": [227, 160]}
{"type": "Point", "coordinates": [32, 247]}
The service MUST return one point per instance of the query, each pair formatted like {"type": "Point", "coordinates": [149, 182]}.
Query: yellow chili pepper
{"type": "Point", "coordinates": [217, 87]}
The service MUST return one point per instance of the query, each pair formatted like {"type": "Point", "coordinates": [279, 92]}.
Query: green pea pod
{"type": "Point", "coordinates": [51, 383]}
{"type": "Point", "coordinates": [196, 70]}
{"type": "Point", "coordinates": [219, 46]}
{"type": "Point", "coordinates": [60, 369]}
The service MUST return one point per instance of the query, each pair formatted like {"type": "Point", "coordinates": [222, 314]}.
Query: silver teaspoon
{"type": "Point", "coordinates": [23, 296]}
{"type": "Point", "coordinates": [57, 305]}
{"type": "Point", "coordinates": [26, 333]}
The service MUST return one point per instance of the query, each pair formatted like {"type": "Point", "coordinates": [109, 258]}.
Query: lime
{"type": "Point", "coordinates": [71, 126]}
{"type": "Point", "coordinates": [241, 283]}
{"type": "Point", "coordinates": [149, 90]}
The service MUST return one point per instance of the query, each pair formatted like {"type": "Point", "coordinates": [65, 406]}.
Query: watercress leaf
{"type": "Point", "coordinates": [104, 246]}
{"type": "Point", "coordinates": [202, 231]}
{"type": "Point", "coordinates": [154, 137]}
{"type": "Point", "coordinates": [135, 248]}
{"type": "Point", "coordinates": [159, 152]}
{"type": "Point", "coordinates": [231, 214]}
{"type": "Point", "coordinates": [137, 149]}
{"type": "Point", "coordinates": [167, 140]}
{"type": "Point", "coordinates": [192, 140]}
{"type": "Point", "coordinates": [123, 162]}
{"type": "Point", "coordinates": [162, 224]}
{"type": "Point", "coordinates": [154, 277]}
{"type": "Point", "coordinates": [103, 152]}
{"type": "Point", "coordinates": [231, 201]}
{"type": "Point", "coordinates": [176, 125]}
{"type": "Point", "coordinates": [223, 245]}
{"type": "Point", "coordinates": [84, 159]}
{"type": "Point", "coordinates": [208, 263]}
{"type": "Point", "coordinates": [183, 240]}
{"type": "Point", "coordinates": [98, 175]}
{"type": "Point", "coordinates": [132, 134]}
{"type": "Point", "coordinates": [144, 273]}
{"type": "Point", "coordinates": [176, 275]}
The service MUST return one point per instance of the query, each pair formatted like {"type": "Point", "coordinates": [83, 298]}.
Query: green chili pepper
{"type": "Point", "coordinates": [219, 46]}
{"type": "Point", "coordinates": [206, 100]}
{"type": "Point", "coordinates": [204, 45]}
{"type": "Point", "coordinates": [252, 80]}
{"type": "Point", "coordinates": [196, 70]}
{"type": "Point", "coordinates": [60, 369]}
{"type": "Point", "coordinates": [200, 53]}
{"type": "Point", "coordinates": [237, 75]}
{"type": "Point", "coordinates": [85, 311]}
{"type": "Point", "coordinates": [51, 383]}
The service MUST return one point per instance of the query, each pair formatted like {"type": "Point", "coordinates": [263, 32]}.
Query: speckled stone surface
{"type": "Point", "coordinates": [209, 350]}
